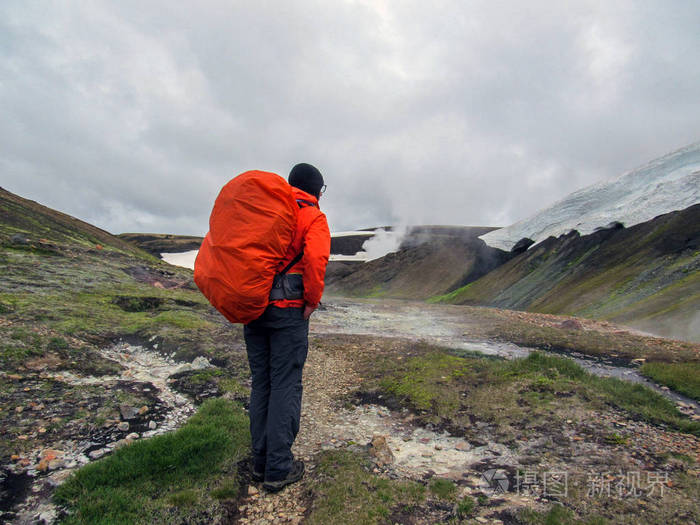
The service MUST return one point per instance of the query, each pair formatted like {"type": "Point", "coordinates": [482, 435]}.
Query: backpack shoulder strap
{"type": "Point", "coordinates": [296, 259]}
{"type": "Point", "coordinates": [303, 203]}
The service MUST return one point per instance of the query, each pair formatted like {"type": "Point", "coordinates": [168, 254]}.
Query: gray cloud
{"type": "Point", "coordinates": [132, 115]}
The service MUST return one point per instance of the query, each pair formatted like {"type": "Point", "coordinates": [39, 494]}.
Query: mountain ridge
{"type": "Point", "coordinates": [668, 183]}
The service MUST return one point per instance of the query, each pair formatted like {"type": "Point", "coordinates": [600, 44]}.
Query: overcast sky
{"type": "Point", "coordinates": [131, 115]}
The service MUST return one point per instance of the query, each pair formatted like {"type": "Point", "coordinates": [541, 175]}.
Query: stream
{"type": "Point", "coordinates": [445, 326]}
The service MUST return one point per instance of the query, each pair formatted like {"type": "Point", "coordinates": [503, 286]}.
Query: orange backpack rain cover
{"type": "Point", "coordinates": [250, 230]}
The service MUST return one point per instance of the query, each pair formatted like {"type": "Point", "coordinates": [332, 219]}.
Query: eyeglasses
{"type": "Point", "coordinates": [323, 189]}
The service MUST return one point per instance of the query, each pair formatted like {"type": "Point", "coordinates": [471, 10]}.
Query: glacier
{"type": "Point", "coordinates": [667, 184]}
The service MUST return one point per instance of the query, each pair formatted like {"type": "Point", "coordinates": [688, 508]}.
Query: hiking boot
{"type": "Point", "coordinates": [257, 476]}
{"type": "Point", "coordinates": [294, 475]}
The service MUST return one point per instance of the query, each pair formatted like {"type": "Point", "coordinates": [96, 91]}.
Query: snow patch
{"type": "Point", "coordinates": [663, 185]}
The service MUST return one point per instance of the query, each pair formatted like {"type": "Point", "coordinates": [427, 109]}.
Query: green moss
{"type": "Point", "coordinates": [427, 383]}
{"type": "Point", "coordinates": [450, 297]}
{"type": "Point", "coordinates": [347, 493]}
{"type": "Point", "coordinates": [443, 488]}
{"type": "Point", "coordinates": [229, 489]}
{"type": "Point", "coordinates": [681, 377]}
{"type": "Point", "coordinates": [447, 387]}
{"type": "Point", "coordinates": [183, 498]}
{"type": "Point", "coordinates": [465, 507]}
{"type": "Point", "coordinates": [141, 480]}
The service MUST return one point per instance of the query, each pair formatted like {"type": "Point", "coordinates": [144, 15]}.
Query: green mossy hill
{"type": "Point", "coordinates": [431, 261]}
{"type": "Point", "coordinates": [646, 276]}
{"type": "Point", "coordinates": [68, 291]}
{"type": "Point", "coordinates": [25, 224]}
{"type": "Point", "coordinates": [157, 243]}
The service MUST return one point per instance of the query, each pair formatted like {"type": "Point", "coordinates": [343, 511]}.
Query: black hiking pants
{"type": "Point", "coordinates": [277, 344]}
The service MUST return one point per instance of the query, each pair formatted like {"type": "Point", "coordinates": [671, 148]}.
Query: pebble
{"type": "Point", "coordinates": [252, 490]}
{"type": "Point", "coordinates": [128, 412]}
{"type": "Point", "coordinates": [97, 454]}
{"type": "Point", "coordinates": [123, 426]}
{"type": "Point", "coordinates": [152, 425]}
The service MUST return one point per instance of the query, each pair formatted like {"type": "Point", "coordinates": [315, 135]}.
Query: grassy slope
{"type": "Point", "coordinates": [44, 226]}
{"type": "Point", "coordinates": [646, 276]}
{"type": "Point", "coordinates": [67, 289]}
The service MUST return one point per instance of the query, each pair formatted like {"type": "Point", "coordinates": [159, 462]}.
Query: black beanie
{"type": "Point", "coordinates": [307, 178]}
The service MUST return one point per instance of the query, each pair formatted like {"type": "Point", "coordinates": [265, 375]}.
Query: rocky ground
{"type": "Point", "coordinates": [339, 415]}
{"type": "Point", "coordinates": [144, 392]}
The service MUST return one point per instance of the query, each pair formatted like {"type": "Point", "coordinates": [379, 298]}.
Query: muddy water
{"type": "Point", "coordinates": [446, 326]}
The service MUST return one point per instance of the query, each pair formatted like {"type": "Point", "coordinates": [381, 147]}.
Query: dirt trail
{"type": "Point", "coordinates": [325, 424]}
{"type": "Point", "coordinates": [326, 378]}
{"type": "Point", "coordinates": [418, 453]}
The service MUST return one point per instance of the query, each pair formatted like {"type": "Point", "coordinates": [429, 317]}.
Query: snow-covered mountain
{"type": "Point", "coordinates": [669, 183]}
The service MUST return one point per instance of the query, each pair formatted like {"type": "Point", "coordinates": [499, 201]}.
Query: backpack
{"type": "Point", "coordinates": [250, 230]}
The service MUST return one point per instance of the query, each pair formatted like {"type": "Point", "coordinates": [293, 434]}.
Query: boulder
{"type": "Point", "coordinates": [521, 246]}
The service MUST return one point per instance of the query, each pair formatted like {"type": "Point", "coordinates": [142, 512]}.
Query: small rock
{"type": "Point", "coordinates": [481, 519]}
{"type": "Point", "coordinates": [97, 454]}
{"type": "Point", "coordinates": [123, 426]}
{"type": "Point", "coordinates": [380, 451]}
{"type": "Point", "coordinates": [128, 412]}
{"type": "Point", "coordinates": [19, 410]}
{"type": "Point", "coordinates": [121, 443]}
{"type": "Point", "coordinates": [48, 516]}
{"type": "Point", "coordinates": [132, 436]}
{"type": "Point", "coordinates": [56, 464]}
{"type": "Point", "coordinates": [252, 490]}
{"type": "Point", "coordinates": [152, 425]}
{"type": "Point", "coordinates": [570, 324]}
{"type": "Point", "coordinates": [143, 410]}
{"type": "Point", "coordinates": [200, 363]}
{"type": "Point", "coordinates": [18, 238]}
{"type": "Point", "coordinates": [462, 445]}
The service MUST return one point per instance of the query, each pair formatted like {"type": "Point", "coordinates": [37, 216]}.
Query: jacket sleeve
{"type": "Point", "coordinates": [317, 249]}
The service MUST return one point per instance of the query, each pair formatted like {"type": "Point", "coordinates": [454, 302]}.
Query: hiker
{"type": "Point", "coordinates": [277, 341]}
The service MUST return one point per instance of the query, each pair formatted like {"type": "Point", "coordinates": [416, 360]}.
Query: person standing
{"type": "Point", "coordinates": [277, 342]}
